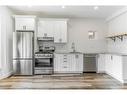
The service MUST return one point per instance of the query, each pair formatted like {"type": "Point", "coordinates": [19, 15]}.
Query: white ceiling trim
{"type": "Point", "coordinates": [116, 14]}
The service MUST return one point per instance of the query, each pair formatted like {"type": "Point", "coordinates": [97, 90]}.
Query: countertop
{"type": "Point", "coordinates": [65, 52]}
{"type": "Point", "coordinates": [113, 53]}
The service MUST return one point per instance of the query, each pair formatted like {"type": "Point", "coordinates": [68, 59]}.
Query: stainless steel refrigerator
{"type": "Point", "coordinates": [23, 47]}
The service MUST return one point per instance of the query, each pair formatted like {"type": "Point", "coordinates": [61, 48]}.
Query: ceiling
{"type": "Point", "coordinates": [68, 11]}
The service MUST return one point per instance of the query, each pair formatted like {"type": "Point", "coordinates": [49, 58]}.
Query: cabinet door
{"type": "Point", "coordinates": [72, 63]}
{"type": "Point", "coordinates": [45, 28]}
{"type": "Point", "coordinates": [57, 34]}
{"type": "Point", "coordinates": [57, 62]}
{"type": "Point", "coordinates": [30, 23]}
{"type": "Point", "coordinates": [79, 63]}
{"type": "Point", "coordinates": [117, 66]}
{"type": "Point", "coordinates": [41, 29]}
{"type": "Point", "coordinates": [108, 61]}
{"type": "Point", "coordinates": [19, 24]}
{"type": "Point", "coordinates": [101, 63]}
{"type": "Point", "coordinates": [49, 28]}
{"type": "Point", "coordinates": [60, 32]}
{"type": "Point", "coordinates": [25, 23]}
{"type": "Point", "coordinates": [63, 29]}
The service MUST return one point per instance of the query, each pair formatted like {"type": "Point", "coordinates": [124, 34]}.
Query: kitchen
{"type": "Point", "coordinates": [64, 45]}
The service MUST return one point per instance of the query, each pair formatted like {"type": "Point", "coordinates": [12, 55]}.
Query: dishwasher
{"type": "Point", "coordinates": [90, 63]}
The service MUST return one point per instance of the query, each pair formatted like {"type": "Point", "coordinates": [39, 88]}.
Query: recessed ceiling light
{"type": "Point", "coordinates": [29, 6]}
{"type": "Point", "coordinates": [63, 7]}
{"type": "Point", "coordinates": [96, 8]}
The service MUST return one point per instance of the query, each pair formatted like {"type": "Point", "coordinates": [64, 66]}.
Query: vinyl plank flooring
{"type": "Point", "coordinates": [62, 81]}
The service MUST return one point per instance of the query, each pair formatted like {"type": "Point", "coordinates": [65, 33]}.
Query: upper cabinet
{"type": "Point", "coordinates": [60, 32]}
{"type": "Point", "coordinates": [25, 23]}
{"type": "Point", "coordinates": [56, 28]}
{"type": "Point", "coordinates": [45, 28]}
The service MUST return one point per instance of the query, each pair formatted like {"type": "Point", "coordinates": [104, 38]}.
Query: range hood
{"type": "Point", "coordinates": [45, 38]}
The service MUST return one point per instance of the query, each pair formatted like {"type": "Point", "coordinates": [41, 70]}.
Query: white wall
{"type": "Point", "coordinates": [0, 45]}
{"type": "Point", "coordinates": [118, 25]}
{"type": "Point", "coordinates": [78, 33]}
{"type": "Point", "coordinates": [115, 26]}
{"type": "Point", "coordinates": [6, 41]}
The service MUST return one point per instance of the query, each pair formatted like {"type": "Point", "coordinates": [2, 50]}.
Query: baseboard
{"type": "Point", "coordinates": [90, 72]}
{"type": "Point", "coordinates": [101, 72]}
{"type": "Point", "coordinates": [6, 75]}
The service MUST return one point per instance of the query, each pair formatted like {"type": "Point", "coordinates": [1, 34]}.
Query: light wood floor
{"type": "Point", "coordinates": [62, 81]}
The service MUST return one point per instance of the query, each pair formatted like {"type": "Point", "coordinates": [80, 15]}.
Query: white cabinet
{"type": "Point", "coordinates": [114, 66]}
{"type": "Point", "coordinates": [79, 63]}
{"type": "Point", "coordinates": [72, 63]}
{"type": "Point", "coordinates": [61, 63]}
{"type": "Point", "coordinates": [45, 28]}
{"type": "Point", "coordinates": [56, 28]}
{"type": "Point", "coordinates": [111, 64]}
{"type": "Point", "coordinates": [68, 63]}
{"type": "Point", "coordinates": [108, 63]}
{"type": "Point", "coordinates": [60, 32]}
{"type": "Point", "coordinates": [101, 63]}
{"type": "Point", "coordinates": [25, 23]}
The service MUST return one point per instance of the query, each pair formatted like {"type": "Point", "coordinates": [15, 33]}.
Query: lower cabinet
{"type": "Point", "coordinates": [101, 63]}
{"type": "Point", "coordinates": [111, 64]}
{"type": "Point", "coordinates": [68, 63]}
{"type": "Point", "coordinates": [114, 66]}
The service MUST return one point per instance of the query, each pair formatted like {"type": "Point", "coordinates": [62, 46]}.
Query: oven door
{"type": "Point", "coordinates": [43, 62]}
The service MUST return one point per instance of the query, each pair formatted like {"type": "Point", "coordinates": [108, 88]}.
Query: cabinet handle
{"type": "Point", "coordinates": [111, 57]}
{"type": "Point", "coordinates": [98, 56]}
{"type": "Point", "coordinates": [60, 40]}
{"type": "Point", "coordinates": [65, 67]}
{"type": "Point", "coordinates": [64, 61]}
{"type": "Point", "coordinates": [76, 56]}
{"type": "Point", "coordinates": [65, 55]}
{"type": "Point", "coordinates": [25, 27]}
{"type": "Point", "coordinates": [45, 34]}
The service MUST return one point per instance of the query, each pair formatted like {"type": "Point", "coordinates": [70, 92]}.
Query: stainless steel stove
{"type": "Point", "coordinates": [44, 61]}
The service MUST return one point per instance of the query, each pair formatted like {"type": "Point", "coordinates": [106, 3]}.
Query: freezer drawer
{"type": "Point", "coordinates": [23, 67]}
